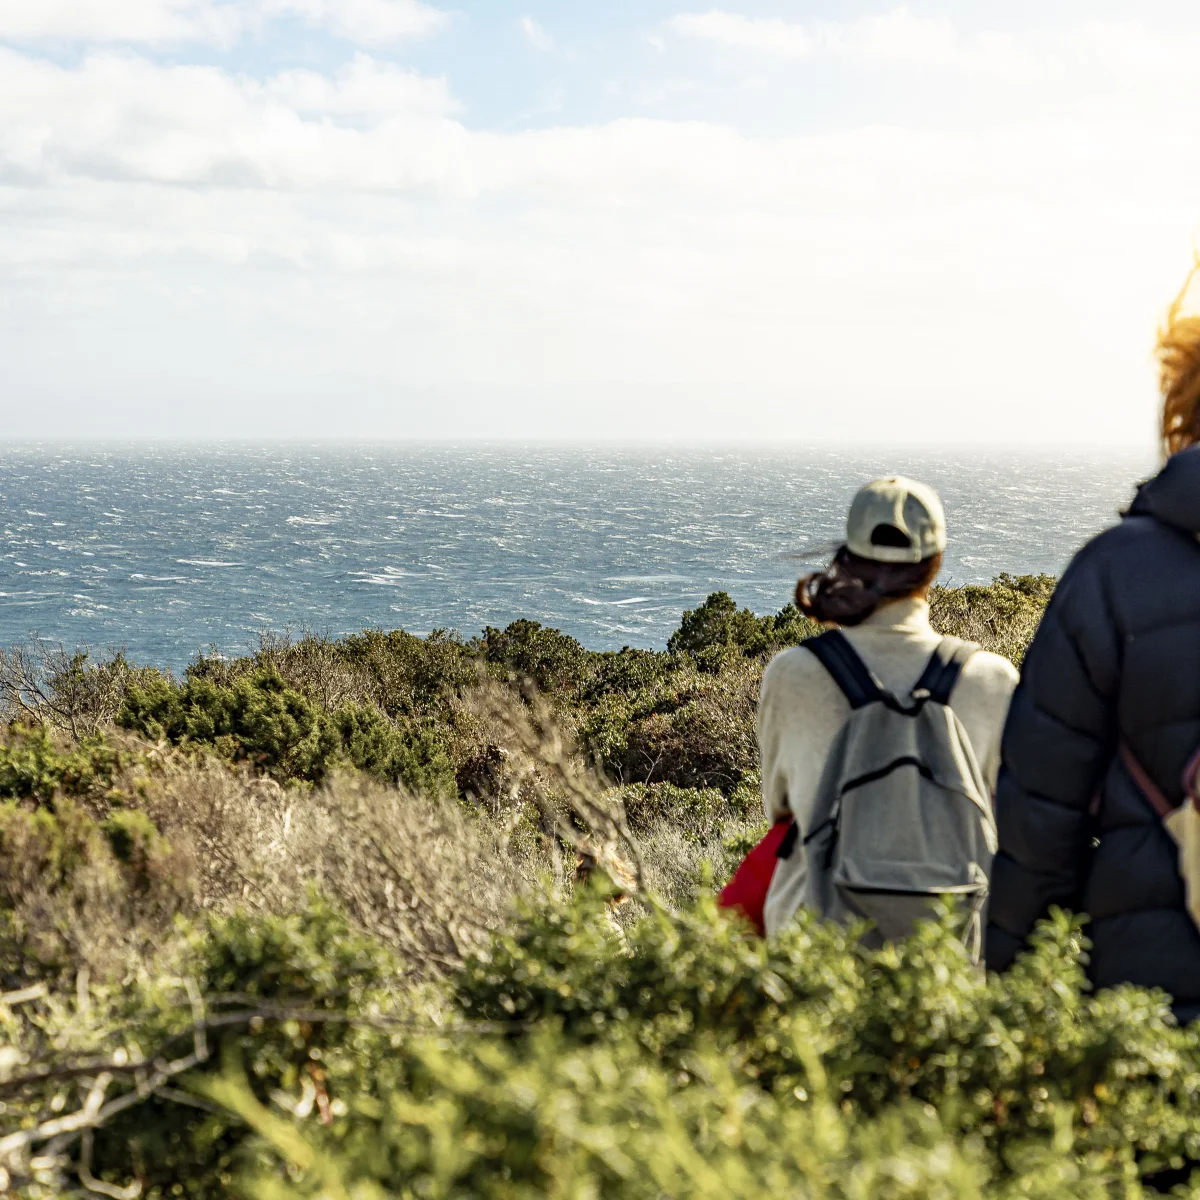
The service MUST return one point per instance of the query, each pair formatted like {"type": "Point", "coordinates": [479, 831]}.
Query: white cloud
{"type": "Point", "coordinates": [771, 35]}
{"type": "Point", "coordinates": [149, 21]}
{"type": "Point", "coordinates": [184, 231]}
{"type": "Point", "coordinates": [902, 38]}
{"type": "Point", "coordinates": [364, 88]}
{"type": "Point", "coordinates": [366, 22]}
{"type": "Point", "coordinates": [535, 35]}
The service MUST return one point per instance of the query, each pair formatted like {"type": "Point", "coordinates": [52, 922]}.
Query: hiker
{"type": "Point", "coordinates": [880, 740]}
{"type": "Point", "coordinates": [1092, 799]}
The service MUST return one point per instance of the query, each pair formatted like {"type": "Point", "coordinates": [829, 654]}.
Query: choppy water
{"type": "Point", "coordinates": [166, 549]}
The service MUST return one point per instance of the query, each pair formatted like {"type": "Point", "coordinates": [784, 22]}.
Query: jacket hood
{"type": "Point", "coordinates": [1173, 495]}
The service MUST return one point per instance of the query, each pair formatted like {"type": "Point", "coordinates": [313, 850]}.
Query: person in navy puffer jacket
{"type": "Point", "coordinates": [1106, 715]}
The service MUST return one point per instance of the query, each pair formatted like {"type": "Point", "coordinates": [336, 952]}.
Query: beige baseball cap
{"type": "Point", "coordinates": [896, 520]}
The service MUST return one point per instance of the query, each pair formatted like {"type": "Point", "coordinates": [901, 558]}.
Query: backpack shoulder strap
{"type": "Point", "coordinates": [941, 674]}
{"type": "Point", "coordinates": [848, 671]}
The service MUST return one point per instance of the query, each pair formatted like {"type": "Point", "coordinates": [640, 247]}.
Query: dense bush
{"type": "Point", "coordinates": [257, 719]}
{"type": "Point", "coordinates": [697, 734]}
{"type": "Point", "coordinates": [718, 624]}
{"type": "Point", "coordinates": [1002, 616]}
{"type": "Point", "coordinates": [311, 964]}
{"type": "Point", "coordinates": [695, 812]}
{"type": "Point", "coordinates": [77, 892]}
{"type": "Point", "coordinates": [552, 660]}
{"type": "Point", "coordinates": [674, 1055]}
{"type": "Point", "coordinates": [412, 754]}
{"type": "Point", "coordinates": [483, 1120]}
{"type": "Point", "coordinates": [36, 764]}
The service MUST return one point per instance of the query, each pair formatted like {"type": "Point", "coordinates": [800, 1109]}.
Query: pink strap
{"type": "Point", "coordinates": [1190, 773]}
{"type": "Point", "coordinates": [1145, 784]}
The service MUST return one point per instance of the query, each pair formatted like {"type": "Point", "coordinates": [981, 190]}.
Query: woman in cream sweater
{"type": "Point", "coordinates": [877, 591]}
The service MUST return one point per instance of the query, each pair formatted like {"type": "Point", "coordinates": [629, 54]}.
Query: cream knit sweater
{"type": "Point", "coordinates": [801, 711]}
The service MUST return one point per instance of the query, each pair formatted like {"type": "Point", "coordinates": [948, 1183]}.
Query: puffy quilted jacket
{"type": "Point", "coordinates": [1116, 659]}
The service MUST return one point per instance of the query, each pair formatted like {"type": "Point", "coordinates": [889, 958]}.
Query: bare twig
{"type": "Point", "coordinates": [89, 1181]}
{"type": "Point", "coordinates": [23, 996]}
{"type": "Point", "coordinates": [116, 1066]}
{"type": "Point", "coordinates": [551, 769]}
{"type": "Point", "coordinates": [47, 683]}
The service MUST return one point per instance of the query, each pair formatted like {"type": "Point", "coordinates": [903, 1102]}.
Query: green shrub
{"type": "Point", "coordinates": [684, 1057]}
{"type": "Point", "coordinates": [80, 893]}
{"type": "Point", "coordinates": [481, 1120]}
{"type": "Point", "coordinates": [627, 672]}
{"type": "Point", "coordinates": [678, 1055]}
{"type": "Point", "coordinates": [136, 844]}
{"type": "Point", "coordinates": [1028, 1057]}
{"type": "Point", "coordinates": [44, 845]}
{"type": "Point", "coordinates": [310, 963]}
{"type": "Point", "coordinates": [718, 624]}
{"type": "Point", "coordinates": [256, 719]}
{"type": "Point", "coordinates": [36, 764]}
{"type": "Point", "coordinates": [698, 735]}
{"type": "Point", "coordinates": [553, 660]}
{"type": "Point", "coordinates": [259, 720]}
{"type": "Point", "coordinates": [1001, 616]}
{"type": "Point", "coordinates": [411, 755]}
{"type": "Point", "coordinates": [410, 676]}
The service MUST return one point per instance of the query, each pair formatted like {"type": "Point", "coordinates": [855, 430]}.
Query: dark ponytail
{"type": "Point", "coordinates": [851, 588]}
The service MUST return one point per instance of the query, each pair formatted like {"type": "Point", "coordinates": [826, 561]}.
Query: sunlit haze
{"type": "Point", "coordinates": [935, 223]}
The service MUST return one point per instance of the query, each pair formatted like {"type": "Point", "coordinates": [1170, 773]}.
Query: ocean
{"type": "Point", "coordinates": [167, 549]}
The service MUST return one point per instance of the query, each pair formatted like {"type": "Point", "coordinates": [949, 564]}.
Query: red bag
{"type": "Point", "coordinates": [747, 890]}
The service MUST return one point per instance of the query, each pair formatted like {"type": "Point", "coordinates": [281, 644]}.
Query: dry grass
{"type": "Point", "coordinates": [428, 877]}
{"type": "Point", "coordinates": [418, 873]}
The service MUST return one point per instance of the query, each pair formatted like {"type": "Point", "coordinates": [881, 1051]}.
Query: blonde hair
{"type": "Point", "coordinates": [1178, 353]}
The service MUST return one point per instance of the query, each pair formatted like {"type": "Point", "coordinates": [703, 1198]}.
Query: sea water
{"type": "Point", "coordinates": [165, 549]}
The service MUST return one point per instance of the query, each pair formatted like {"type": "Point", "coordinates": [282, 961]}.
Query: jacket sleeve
{"type": "Point", "coordinates": [1058, 741]}
{"type": "Point", "coordinates": [774, 786]}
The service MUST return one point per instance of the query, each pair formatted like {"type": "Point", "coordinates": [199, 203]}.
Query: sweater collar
{"type": "Point", "coordinates": [904, 616]}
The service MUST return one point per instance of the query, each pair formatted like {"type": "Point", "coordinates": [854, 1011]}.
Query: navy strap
{"type": "Point", "coordinates": [849, 672]}
{"type": "Point", "coordinates": [939, 677]}
{"type": "Point", "coordinates": [860, 686]}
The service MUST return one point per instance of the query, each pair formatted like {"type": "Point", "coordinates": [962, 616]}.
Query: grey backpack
{"type": "Point", "coordinates": [902, 814]}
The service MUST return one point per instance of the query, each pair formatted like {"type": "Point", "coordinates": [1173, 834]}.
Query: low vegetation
{"type": "Point", "coordinates": [431, 917]}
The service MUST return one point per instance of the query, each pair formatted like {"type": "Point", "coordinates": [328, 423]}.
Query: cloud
{"type": "Point", "coordinates": [770, 35]}
{"type": "Point", "coordinates": [150, 21]}
{"type": "Point", "coordinates": [118, 116]}
{"type": "Point", "coordinates": [187, 231]}
{"type": "Point", "coordinates": [365, 22]}
{"type": "Point", "coordinates": [222, 22]}
{"type": "Point", "coordinates": [902, 38]}
{"type": "Point", "coordinates": [535, 35]}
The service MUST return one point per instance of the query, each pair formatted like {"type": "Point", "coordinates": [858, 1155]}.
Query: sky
{"type": "Point", "coordinates": [933, 223]}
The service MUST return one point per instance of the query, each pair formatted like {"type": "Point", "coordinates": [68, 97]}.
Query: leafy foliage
{"type": "Point", "coordinates": [719, 625]}
{"type": "Point", "coordinates": [552, 660]}
{"type": "Point", "coordinates": [259, 720]}
{"type": "Point", "coordinates": [679, 1055]}
{"type": "Point", "coordinates": [309, 963]}
{"type": "Point", "coordinates": [484, 1120]}
{"type": "Point", "coordinates": [36, 764]}
{"type": "Point", "coordinates": [1002, 616]}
